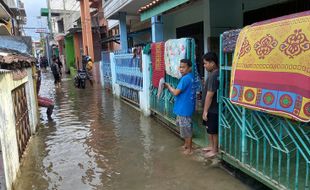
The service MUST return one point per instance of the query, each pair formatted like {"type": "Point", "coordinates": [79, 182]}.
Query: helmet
{"type": "Point", "coordinates": [88, 58]}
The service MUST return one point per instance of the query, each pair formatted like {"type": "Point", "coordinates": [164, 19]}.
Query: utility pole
{"type": "Point", "coordinates": [49, 16]}
{"type": "Point", "coordinates": [64, 3]}
{"type": "Point", "coordinates": [88, 47]}
{"type": "Point", "coordinates": [50, 36]}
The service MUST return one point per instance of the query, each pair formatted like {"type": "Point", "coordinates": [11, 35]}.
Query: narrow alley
{"type": "Point", "coordinates": [154, 94]}
{"type": "Point", "coordinates": [98, 142]}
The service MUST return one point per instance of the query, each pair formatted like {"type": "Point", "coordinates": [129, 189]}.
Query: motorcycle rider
{"type": "Point", "coordinates": [84, 73]}
{"type": "Point", "coordinates": [88, 66]}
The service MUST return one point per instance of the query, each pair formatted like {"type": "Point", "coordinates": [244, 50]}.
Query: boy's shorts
{"type": "Point", "coordinates": [185, 124]}
{"type": "Point", "coordinates": [212, 124]}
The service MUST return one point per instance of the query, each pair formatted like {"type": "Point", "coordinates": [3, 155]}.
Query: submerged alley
{"type": "Point", "coordinates": [112, 94]}
{"type": "Point", "coordinates": [96, 141]}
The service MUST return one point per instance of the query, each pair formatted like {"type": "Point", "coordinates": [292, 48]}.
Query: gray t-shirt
{"type": "Point", "coordinates": [212, 84]}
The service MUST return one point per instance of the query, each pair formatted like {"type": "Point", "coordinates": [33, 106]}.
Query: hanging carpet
{"type": "Point", "coordinates": [158, 62]}
{"type": "Point", "coordinates": [271, 68]}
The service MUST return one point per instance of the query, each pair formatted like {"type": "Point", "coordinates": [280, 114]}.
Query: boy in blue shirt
{"type": "Point", "coordinates": [184, 104]}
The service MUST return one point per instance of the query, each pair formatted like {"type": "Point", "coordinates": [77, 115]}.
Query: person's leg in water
{"type": "Point", "coordinates": [185, 146]}
{"type": "Point", "coordinates": [55, 81]}
{"type": "Point", "coordinates": [89, 77]}
{"type": "Point", "coordinates": [59, 81]}
{"type": "Point", "coordinates": [91, 82]}
{"type": "Point", "coordinates": [48, 103]}
{"type": "Point", "coordinates": [188, 142]}
{"type": "Point", "coordinates": [56, 77]}
{"type": "Point", "coordinates": [210, 146]}
{"type": "Point", "coordinates": [186, 133]}
{"type": "Point", "coordinates": [49, 112]}
{"type": "Point", "coordinates": [213, 133]}
{"type": "Point", "coordinates": [215, 143]}
{"type": "Point", "coordinates": [178, 123]}
{"type": "Point", "coordinates": [214, 150]}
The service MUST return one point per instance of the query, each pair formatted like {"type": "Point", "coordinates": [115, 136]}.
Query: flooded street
{"type": "Point", "coordinates": [98, 142]}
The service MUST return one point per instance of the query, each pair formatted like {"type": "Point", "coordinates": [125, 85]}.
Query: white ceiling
{"type": "Point", "coordinates": [131, 7]}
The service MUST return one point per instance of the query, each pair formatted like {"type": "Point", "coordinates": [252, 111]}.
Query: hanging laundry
{"type": "Point", "coordinates": [271, 69]}
{"type": "Point", "coordinates": [229, 40]}
{"type": "Point", "coordinates": [158, 62]}
{"type": "Point", "coordinates": [175, 50]}
{"type": "Point", "coordinates": [128, 71]}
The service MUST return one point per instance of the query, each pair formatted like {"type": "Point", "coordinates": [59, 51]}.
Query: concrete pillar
{"type": "Point", "coordinates": [145, 93]}
{"type": "Point", "coordinates": [115, 87]}
{"type": "Point", "coordinates": [101, 73]}
{"type": "Point", "coordinates": [123, 31]}
{"type": "Point", "coordinates": [83, 24]}
{"type": "Point", "coordinates": [157, 29]}
{"type": "Point", "coordinates": [88, 46]}
{"type": "Point", "coordinates": [48, 50]}
{"type": "Point", "coordinates": [32, 100]}
{"type": "Point", "coordinates": [78, 63]}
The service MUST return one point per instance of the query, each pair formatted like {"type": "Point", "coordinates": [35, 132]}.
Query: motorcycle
{"type": "Point", "coordinates": [80, 79]}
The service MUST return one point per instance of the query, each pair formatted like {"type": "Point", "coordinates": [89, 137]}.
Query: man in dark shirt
{"type": "Point", "coordinates": [55, 70]}
{"type": "Point", "coordinates": [210, 111]}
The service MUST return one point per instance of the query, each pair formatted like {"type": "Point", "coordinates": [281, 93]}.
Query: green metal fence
{"type": "Point", "coordinates": [274, 150]}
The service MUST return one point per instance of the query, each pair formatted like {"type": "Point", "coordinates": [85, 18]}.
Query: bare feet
{"type": "Point", "coordinates": [49, 118]}
{"type": "Point", "coordinates": [207, 149]}
{"type": "Point", "coordinates": [210, 154]}
{"type": "Point", "coordinates": [188, 152]}
{"type": "Point", "coordinates": [184, 147]}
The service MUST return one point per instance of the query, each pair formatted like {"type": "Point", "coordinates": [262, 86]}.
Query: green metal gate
{"type": "Point", "coordinates": [274, 150]}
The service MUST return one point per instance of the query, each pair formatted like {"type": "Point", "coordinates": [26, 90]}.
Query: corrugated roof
{"type": "Point", "coordinates": [12, 60]}
{"type": "Point", "coordinates": [9, 58]}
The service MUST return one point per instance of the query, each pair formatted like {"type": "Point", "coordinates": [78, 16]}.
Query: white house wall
{"type": "Point", "coordinates": [7, 125]}
{"type": "Point", "coordinates": [70, 20]}
{"type": "Point", "coordinates": [32, 101]}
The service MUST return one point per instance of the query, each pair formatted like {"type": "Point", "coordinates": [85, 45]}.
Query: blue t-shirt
{"type": "Point", "coordinates": [184, 104]}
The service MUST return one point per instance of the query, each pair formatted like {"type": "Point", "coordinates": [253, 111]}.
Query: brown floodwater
{"type": "Point", "coordinates": [96, 141]}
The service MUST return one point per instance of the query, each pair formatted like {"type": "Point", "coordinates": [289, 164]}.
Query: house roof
{"type": "Point", "coordinates": [12, 60]}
